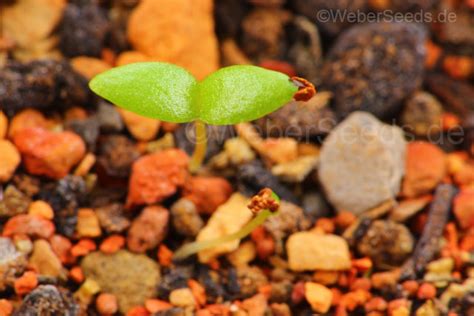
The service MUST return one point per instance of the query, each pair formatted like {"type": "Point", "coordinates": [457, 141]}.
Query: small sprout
{"type": "Point", "coordinates": [263, 205]}
{"type": "Point", "coordinates": [169, 93]}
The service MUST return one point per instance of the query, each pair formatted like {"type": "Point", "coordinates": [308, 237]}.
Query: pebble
{"type": "Point", "coordinates": [87, 129]}
{"type": "Point", "coordinates": [89, 67]}
{"type": "Point", "coordinates": [408, 208]}
{"type": "Point", "coordinates": [190, 40]}
{"type": "Point", "coordinates": [243, 255]}
{"type": "Point", "coordinates": [44, 261]}
{"type": "Point", "coordinates": [36, 146]}
{"type": "Point", "coordinates": [148, 229]}
{"type": "Point", "coordinates": [238, 151]}
{"type": "Point", "coordinates": [185, 218]}
{"type": "Point", "coordinates": [12, 263]}
{"type": "Point", "coordinates": [13, 202]}
{"type": "Point", "coordinates": [112, 219]}
{"type": "Point", "coordinates": [255, 305]}
{"type": "Point", "coordinates": [142, 128]}
{"type": "Point", "coordinates": [227, 219]}
{"type": "Point", "coordinates": [387, 243]}
{"type": "Point", "coordinates": [157, 176]}
{"type": "Point", "coordinates": [30, 225]}
{"type": "Point", "coordinates": [301, 120]}
{"type": "Point", "coordinates": [250, 279]}
{"type": "Point", "coordinates": [26, 119]}
{"type": "Point", "coordinates": [3, 125]}
{"type": "Point", "coordinates": [422, 114]}
{"type": "Point", "coordinates": [182, 298]}
{"type": "Point", "coordinates": [87, 223]}
{"type": "Point", "coordinates": [131, 278]}
{"type": "Point", "coordinates": [10, 160]}
{"type": "Point", "coordinates": [361, 163]}
{"type": "Point", "coordinates": [116, 155]}
{"type": "Point", "coordinates": [48, 300]}
{"type": "Point", "coordinates": [289, 219]}
{"type": "Point", "coordinates": [312, 251]}
{"type": "Point", "coordinates": [374, 67]}
{"type": "Point", "coordinates": [41, 209]}
{"type": "Point", "coordinates": [426, 166]}
{"type": "Point", "coordinates": [109, 118]}
{"type": "Point", "coordinates": [464, 208]}
{"type": "Point", "coordinates": [297, 170]}
{"type": "Point", "coordinates": [106, 304]}
{"type": "Point", "coordinates": [207, 193]}
{"type": "Point", "coordinates": [318, 296]}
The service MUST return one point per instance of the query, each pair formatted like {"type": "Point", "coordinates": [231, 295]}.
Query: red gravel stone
{"type": "Point", "coordinates": [425, 168]}
{"type": "Point", "coordinates": [207, 193]}
{"type": "Point", "coordinates": [157, 176]}
{"type": "Point", "coordinates": [48, 153]}
{"type": "Point", "coordinates": [30, 225]}
{"type": "Point", "coordinates": [464, 208]}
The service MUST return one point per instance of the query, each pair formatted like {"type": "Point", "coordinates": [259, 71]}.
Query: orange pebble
{"type": "Point", "coordinates": [376, 304]}
{"type": "Point", "coordinates": [112, 244]}
{"type": "Point", "coordinates": [85, 165]}
{"type": "Point", "coordinates": [26, 283]}
{"type": "Point", "coordinates": [426, 291]}
{"type": "Point", "coordinates": [433, 54]}
{"type": "Point", "coordinates": [410, 286]}
{"type": "Point", "coordinates": [165, 256]}
{"type": "Point", "coordinates": [362, 264]}
{"type": "Point", "coordinates": [83, 247]}
{"type": "Point", "coordinates": [138, 311]}
{"type": "Point", "coordinates": [449, 121]}
{"type": "Point", "coordinates": [154, 305]}
{"type": "Point", "coordinates": [76, 274]}
{"type": "Point", "coordinates": [106, 304]}
{"type": "Point", "coordinates": [6, 308]}
{"type": "Point", "coordinates": [326, 224]}
{"type": "Point", "coordinates": [62, 248]}
{"type": "Point", "coordinates": [199, 292]}
{"type": "Point", "coordinates": [458, 67]}
{"type": "Point", "coordinates": [361, 284]}
{"type": "Point", "coordinates": [41, 209]}
{"type": "Point", "coordinates": [345, 219]}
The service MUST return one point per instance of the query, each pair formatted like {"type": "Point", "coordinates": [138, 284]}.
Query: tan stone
{"type": "Point", "coordinates": [44, 260]}
{"type": "Point", "coordinates": [29, 21]}
{"type": "Point", "coordinates": [142, 128]}
{"type": "Point", "coordinates": [227, 219]}
{"type": "Point", "coordinates": [88, 223]}
{"type": "Point", "coordinates": [318, 296]}
{"type": "Point", "coordinates": [182, 298]}
{"type": "Point", "coordinates": [9, 161]}
{"type": "Point", "coordinates": [89, 67]}
{"type": "Point", "coordinates": [176, 31]}
{"type": "Point", "coordinates": [312, 251]}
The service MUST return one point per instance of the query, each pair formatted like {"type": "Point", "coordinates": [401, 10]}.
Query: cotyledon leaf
{"type": "Point", "coordinates": [152, 89]}
{"type": "Point", "coordinates": [241, 93]}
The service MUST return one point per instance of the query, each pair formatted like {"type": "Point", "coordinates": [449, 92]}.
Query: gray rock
{"type": "Point", "coordinates": [109, 118]}
{"type": "Point", "coordinates": [131, 278]}
{"type": "Point", "coordinates": [362, 163]}
{"type": "Point", "coordinates": [12, 263]}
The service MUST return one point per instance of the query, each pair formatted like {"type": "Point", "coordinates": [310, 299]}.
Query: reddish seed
{"type": "Point", "coordinates": [426, 291]}
{"type": "Point", "coordinates": [106, 304]}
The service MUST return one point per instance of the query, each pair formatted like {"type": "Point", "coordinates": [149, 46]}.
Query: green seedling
{"type": "Point", "coordinates": [263, 205]}
{"type": "Point", "coordinates": [169, 93]}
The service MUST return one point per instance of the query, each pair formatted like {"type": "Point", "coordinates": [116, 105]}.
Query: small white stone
{"type": "Point", "coordinates": [362, 163]}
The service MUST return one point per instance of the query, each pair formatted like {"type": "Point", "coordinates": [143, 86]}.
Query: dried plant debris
{"type": "Point", "coordinates": [41, 84]}
{"type": "Point", "coordinates": [374, 67]}
{"type": "Point", "coordinates": [83, 29]}
{"type": "Point", "coordinates": [428, 244]}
